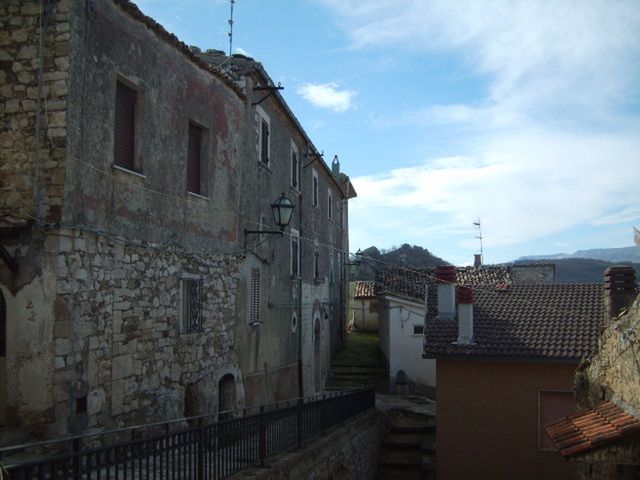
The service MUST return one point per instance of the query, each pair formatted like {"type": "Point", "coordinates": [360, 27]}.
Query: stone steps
{"type": "Point", "coordinates": [408, 450]}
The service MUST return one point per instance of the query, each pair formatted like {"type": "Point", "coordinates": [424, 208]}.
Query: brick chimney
{"type": "Point", "coordinates": [619, 290]}
{"type": "Point", "coordinates": [464, 295]}
{"type": "Point", "coordinates": [477, 260]}
{"type": "Point", "coordinates": [446, 278]}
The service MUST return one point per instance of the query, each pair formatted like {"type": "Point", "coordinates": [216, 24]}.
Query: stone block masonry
{"type": "Point", "coordinates": [111, 349]}
{"type": "Point", "coordinates": [22, 63]}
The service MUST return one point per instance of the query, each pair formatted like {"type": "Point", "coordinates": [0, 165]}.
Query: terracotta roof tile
{"type": "Point", "coordinates": [591, 428]}
{"type": "Point", "coordinates": [552, 321]}
{"type": "Point", "coordinates": [365, 290]}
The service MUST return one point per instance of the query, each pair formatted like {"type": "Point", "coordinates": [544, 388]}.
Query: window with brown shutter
{"type": "Point", "coordinates": [265, 142]}
{"type": "Point", "coordinates": [255, 296]}
{"type": "Point", "coordinates": [194, 160]}
{"type": "Point", "coordinates": [124, 129]}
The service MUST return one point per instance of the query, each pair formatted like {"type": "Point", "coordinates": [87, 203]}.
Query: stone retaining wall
{"type": "Point", "coordinates": [347, 453]}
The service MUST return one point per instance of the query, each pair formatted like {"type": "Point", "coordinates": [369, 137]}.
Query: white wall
{"type": "Point", "coordinates": [365, 314]}
{"type": "Point", "coordinates": [404, 347]}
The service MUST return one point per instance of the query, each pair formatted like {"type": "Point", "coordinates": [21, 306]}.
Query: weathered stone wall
{"type": "Point", "coordinates": [111, 335]}
{"type": "Point", "coordinates": [346, 453]}
{"type": "Point", "coordinates": [614, 373]}
{"type": "Point", "coordinates": [20, 63]}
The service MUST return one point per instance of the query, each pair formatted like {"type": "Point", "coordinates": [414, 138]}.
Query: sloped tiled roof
{"type": "Point", "coordinates": [525, 322]}
{"type": "Point", "coordinates": [410, 283]}
{"type": "Point", "coordinates": [592, 428]}
{"type": "Point", "coordinates": [365, 289]}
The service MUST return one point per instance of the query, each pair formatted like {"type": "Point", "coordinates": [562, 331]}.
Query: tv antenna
{"type": "Point", "coordinates": [479, 236]}
{"type": "Point", "coordinates": [231, 3]}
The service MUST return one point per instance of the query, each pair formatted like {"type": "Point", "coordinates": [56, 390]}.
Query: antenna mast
{"type": "Point", "coordinates": [479, 236]}
{"type": "Point", "coordinates": [232, 2]}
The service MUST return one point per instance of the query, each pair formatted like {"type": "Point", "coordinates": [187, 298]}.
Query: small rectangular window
{"type": "Point", "coordinates": [264, 139]}
{"type": "Point", "coordinates": [552, 406]}
{"type": "Point", "coordinates": [124, 128]}
{"type": "Point", "coordinates": [316, 264]}
{"type": "Point", "coordinates": [255, 296]}
{"type": "Point", "coordinates": [295, 168]}
{"type": "Point", "coordinates": [315, 188]}
{"type": "Point", "coordinates": [194, 160]}
{"type": "Point", "coordinates": [295, 254]}
{"type": "Point", "coordinates": [418, 329]}
{"type": "Point", "coordinates": [191, 305]}
{"type": "Point", "coordinates": [329, 205]}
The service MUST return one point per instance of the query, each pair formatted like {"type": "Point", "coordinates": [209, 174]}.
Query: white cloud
{"type": "Point", "coordinates": [327, 95]}
{"type": "Point", "coordinates": [540, 155]}
{"type": "Point", "coordinates": [242, 51]}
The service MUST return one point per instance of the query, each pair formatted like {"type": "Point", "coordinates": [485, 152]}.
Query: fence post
{"type": "Point", "coordinates": [299, 421]}
{"type": "Point", "coordinates": [200, 452]}
{"type": "Point", "coordinates": [262, 447]}
{"type": "Point", "coordinates": [76, 458]}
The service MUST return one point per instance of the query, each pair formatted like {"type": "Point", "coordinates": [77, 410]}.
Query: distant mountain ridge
{"type": "Point", "coordinates": [410, 256]}
{"type": "Point", "coordinates": [623, 254]}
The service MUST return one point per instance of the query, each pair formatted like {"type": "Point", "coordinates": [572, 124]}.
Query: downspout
{"type": "Point", "coordinates": [300, 276]}
{"type": "Point", "coordinates": [46, 7]}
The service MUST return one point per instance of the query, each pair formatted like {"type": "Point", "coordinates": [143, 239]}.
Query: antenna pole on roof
{"type": "Point", "coordinates": [479, 236]}
{"type": "Point", "coordinates": [232, 2]}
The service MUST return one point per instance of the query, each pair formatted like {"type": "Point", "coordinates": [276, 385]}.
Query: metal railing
{"type": "Point", "coordinates": [200, 450]}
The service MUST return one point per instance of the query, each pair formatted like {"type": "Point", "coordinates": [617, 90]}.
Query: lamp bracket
{"type": "Point", "coordinates": [316, 155]}
{"type": "Point", "coordinates": [258, 232]}
{"type": "Point", "coordinates": [270, 89]}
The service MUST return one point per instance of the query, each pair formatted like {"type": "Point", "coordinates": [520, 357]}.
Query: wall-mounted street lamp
{"type": "Point", "coordinates": [357, 260]}
{"type": "Point", "coordinates": [282, 210]}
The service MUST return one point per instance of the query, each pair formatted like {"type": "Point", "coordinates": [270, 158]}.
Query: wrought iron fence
{"type": "Point", "coordinates": [200, 450]}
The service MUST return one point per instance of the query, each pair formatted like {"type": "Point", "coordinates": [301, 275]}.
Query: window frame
{"type": "Point", "coordinates": [202, 174]}
{"type": "Point", "coordinates": [417, 326]}
{"type": "Point", "coordinates": [262, 119]}
{"type": "Point", "coordinates": [185, 328]}
{"type": "Point", "coordinates": [316, 263]}
{"type": "Point", "coordinates": [134, 166]}
{"type": "Point", "coordinates": [315, 188]}
{"type": "Point", "coordinates": [295, 167]}
{"type": "Point", "coordinates": [295, 239]}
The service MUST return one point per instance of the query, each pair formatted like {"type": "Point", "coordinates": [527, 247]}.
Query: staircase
{"type": "Point", "coordinates": [360, 362]}
{"type": "Point", "coordinates": [408, 451]}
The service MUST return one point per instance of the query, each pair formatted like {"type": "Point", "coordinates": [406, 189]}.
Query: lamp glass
{"type": "Point", "coordinates": [282, 210]}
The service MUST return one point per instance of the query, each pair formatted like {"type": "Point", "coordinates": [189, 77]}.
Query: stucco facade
{"type": "Point", "coordinates": [488, 414]}
{"type": "Point", "coordinates": [133, 297]}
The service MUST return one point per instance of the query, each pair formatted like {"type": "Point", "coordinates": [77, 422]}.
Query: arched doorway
{"type": "Point", "coordinates": [3, 353]}
{"type": "Point", "coordinates": [317, 358]}
{"type": "Point", "coordinates": [226, 396]}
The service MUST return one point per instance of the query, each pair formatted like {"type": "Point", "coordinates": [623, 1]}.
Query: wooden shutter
{"type": "Point", "coordinates": [125, 127]}
{"type": "Point", "coordinates": [294, 169]}
{"type": "Point", "coordinates": [265, 143]}
{"type": "Point", "coordinates": [255, 295]}
{"type": "Point", "coordinates": [194, 162]}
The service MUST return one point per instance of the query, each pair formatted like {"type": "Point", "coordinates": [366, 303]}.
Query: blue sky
{"type": "Point", "coordinates": [525, 114]}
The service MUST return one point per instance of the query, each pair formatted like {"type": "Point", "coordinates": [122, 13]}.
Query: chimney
{"type": "Point", "coordinates": [446, 278]}
{"type": "Point", "coordinates": [464, 295]}
{"type": "Point", "coordinates": [477, 260]}
{"type": "Point", "coordinates": [335, 166]}
{"type": "Point", "coordinates": [619, 290]}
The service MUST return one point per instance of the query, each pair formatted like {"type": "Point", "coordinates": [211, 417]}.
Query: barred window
{"type": "Point", "coordinates": [255, 296]}
{"type": "Point", "coordinates": [191, 305]}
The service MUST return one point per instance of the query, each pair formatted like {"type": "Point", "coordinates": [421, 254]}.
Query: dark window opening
{"type": "Point", "coordinates": [81, 404]}
{"type": "Point", "coordinates": [417, 329]}
{"type": "Point", "coordinates": [194, 160]}
{"type": "Point", "coordinates": [265, 142]}
{"type": "Point", "coordinates": [191, 305]}
{"type": "Point", "coordinates": [124, 127]}
{"type": "Point", "coordinates": [294, 169]}
{"type": "Point", "coordinates": [315, 191]}
{"type": "Point", "coordinates": [295, 256]}
{"type": "Point", "coordinates": [316, 264]}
